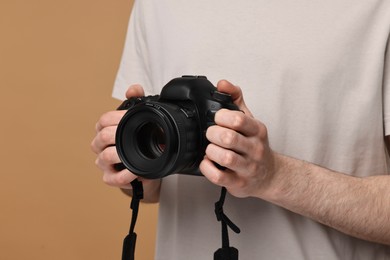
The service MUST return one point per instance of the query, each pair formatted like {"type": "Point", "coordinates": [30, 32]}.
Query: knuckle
{"type": "Point", "coordinates": [106, 156]}
{"type": "Point", "coordinates": [93, 146]}
{"type": "Point", "coordinates": [216, 178]}
{"type": "Point", "coordinates": [102, 122]}
{"type": "Point", "coordinates": [259, 152]}
{"type": "Point", "coordinates": [106, 179]}
{"type": "Point", "coordinates": [238, 120]}
{"type": "Point", "coordinates": [101, 164]}
{"type": "Point", "coordinates": [252, 169]}
{"type": "Point", "coordinates": [105, 136]}
{"type": "Point", "coordinates": [263, 131]}
{"type": "Point", "coordinates": [240, 183]}
{"type": "Point", "coordinates": [106, 117]}
{"type": "Point", "coordinates": [97, 162]}
{"type": "Point", "coordinates": [229, 138]}
{"type": "Point", "coordinates": [229, 159]}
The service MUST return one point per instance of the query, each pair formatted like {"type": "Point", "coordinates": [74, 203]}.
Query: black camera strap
{"type": "Point", "coordinates": [226, 252]}
{"type": "Point", "coordinates": [129, 242]}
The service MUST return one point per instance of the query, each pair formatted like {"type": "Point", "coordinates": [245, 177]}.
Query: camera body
{"type": "Point", "coordinates": [165, 134]}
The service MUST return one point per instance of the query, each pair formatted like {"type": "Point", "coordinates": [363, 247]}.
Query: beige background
{"type": "Point", "coordinates": [58, 61]}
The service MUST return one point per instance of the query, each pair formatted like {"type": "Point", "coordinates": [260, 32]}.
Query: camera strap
{"type": "Point", "coordinates": [129, 242]}
{"type": "Point", "coordinates": [226, 252]}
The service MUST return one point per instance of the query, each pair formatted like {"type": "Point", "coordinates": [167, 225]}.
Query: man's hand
{"type": "Point", "coordinates": [356, 206]}
{"type": "Point", "coordinates": [104, 146]}
{"type": "Point", "coordinates": [240, 143]}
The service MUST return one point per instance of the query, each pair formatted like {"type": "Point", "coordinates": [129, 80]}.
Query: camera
{"type": "Point", "coordinates": [165, 134]}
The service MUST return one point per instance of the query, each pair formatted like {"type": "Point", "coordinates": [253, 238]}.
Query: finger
{"type": "Point", "coordinates": [235, 92]}
{"type": "Point", "coordinates": [219, 177]}
{"type": "Point", "coordinates": [135, 91]}
{"type": "Point", "coordinates": [110, 118]}
{"type": "Point", "coordinates": [229, 139]}
{"type": "Point", "coordinates": [226, 158]}
{"type": "Point", "coordinates": [120, 179]}
{"type": "Point", "coordinates": [228, 88]}
{"type": "Point", "coordinates": [237, 121]}
{"type": "Point", "coordinates": [107, 158]}
{"type": "Point", "coordinates": [103, 139]}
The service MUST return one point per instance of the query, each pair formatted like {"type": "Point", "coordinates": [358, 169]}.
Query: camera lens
{"type": "Point", "coordinates": [156, 139]}
{"type": "Point", "coordinates": [151, 140]}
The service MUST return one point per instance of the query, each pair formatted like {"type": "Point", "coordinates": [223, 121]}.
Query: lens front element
{"type": "Point", "coordinates": [151, 140]}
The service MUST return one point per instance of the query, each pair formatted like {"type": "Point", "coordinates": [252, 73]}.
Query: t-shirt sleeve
{"type": "Point", "coordinates": [386, 89]}
{"type": "Point", "coordinates": [133, 68]}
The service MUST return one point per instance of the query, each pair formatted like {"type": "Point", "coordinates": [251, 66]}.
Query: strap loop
{"type": "Point", "coordinates": [226, 252]}
{"type": "Point", "coordinates": [221, 216]}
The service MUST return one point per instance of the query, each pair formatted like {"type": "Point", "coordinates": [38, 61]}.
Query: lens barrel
{"type": "Point", "coordinates": [157, 139]}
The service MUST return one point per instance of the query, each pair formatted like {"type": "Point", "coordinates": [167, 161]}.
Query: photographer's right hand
{"type": "Point", "coordinates": [107, 157]}
{"type": "Point", "coordinates": [104, 146]}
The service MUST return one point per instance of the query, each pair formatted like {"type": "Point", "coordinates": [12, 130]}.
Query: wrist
{"type": "Point", "coordinates": [281, 177]}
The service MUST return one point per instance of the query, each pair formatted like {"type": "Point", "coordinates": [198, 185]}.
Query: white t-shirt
{"type": "Point", "coordinates": [317, 73]}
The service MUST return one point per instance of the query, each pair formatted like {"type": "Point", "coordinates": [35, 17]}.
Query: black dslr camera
{"type": "Point", "coordinates": [165, 134]}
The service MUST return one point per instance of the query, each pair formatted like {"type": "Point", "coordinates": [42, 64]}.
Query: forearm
{"type": "Point", "coordinates": [151, 191]}
{"type": "Point", "coordinates": [359, 207]}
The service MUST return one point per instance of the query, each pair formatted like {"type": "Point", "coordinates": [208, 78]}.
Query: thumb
{"type": "Point", "coordinates": [135, 91]}
{"type": "Point", "coordinates": [227, 87]}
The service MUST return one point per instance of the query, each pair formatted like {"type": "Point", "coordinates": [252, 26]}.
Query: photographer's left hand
{"type": "Point", "coordinates": [344, 202]}
{"type": "Point", "coordinates": [238, 142]}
